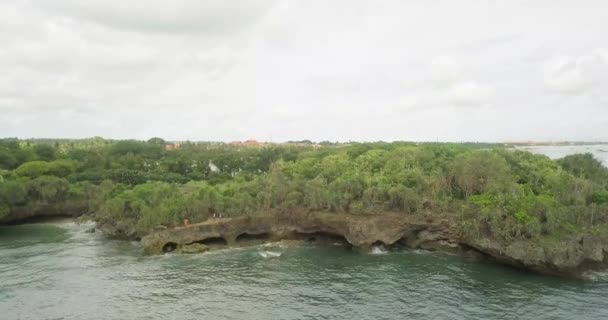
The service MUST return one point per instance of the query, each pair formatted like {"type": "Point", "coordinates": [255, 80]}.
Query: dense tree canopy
{"type": "Point", "coordinates": [487, 188]}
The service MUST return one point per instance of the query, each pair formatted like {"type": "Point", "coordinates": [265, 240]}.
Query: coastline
{"type": "Point", "coordinates": [571, 257]}
{"type": "Point", "coordinates": [515, 207]}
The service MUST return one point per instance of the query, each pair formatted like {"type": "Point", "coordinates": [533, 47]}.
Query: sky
{"type": "Point", "coordinates": [340, 70]}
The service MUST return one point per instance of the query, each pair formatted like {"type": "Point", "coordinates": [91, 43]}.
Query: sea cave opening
{"type": "Point", "coordinates": [379, 244]}
{"type": "Point", "coordinates": [323, 238]}
{"type": "Point", "coordinates": [169, 247]}
{"type": "Point", "coordinates": [213, 241]}
{"type": "Point", "coordinates": [252, 237]}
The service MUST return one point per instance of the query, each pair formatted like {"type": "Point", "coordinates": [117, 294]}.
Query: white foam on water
{"type": "Point", "coordinates": [72, 226]}
{"type": "Point", "coordinates": [274, 244]}
{"type": "Point", "coordinates": [596, 275]}
{"type": "Point", "coordinates": [270, 254]}
{"type": "Point", "coordinates": [420, 251]}
{"type": "Point", "coordinates": [378, 250]}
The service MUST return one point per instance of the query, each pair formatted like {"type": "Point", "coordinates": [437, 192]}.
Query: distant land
{"type": "Point", "coordinates": [254, 142]}
{"type": "Point", "coordinates": [554, 143]}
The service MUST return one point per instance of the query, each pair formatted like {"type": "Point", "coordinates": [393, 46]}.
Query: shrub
{"type": "Point", "coordinates": [33, 169]}
{"type": "Point", "coordinates": [474, 173]}
{"type": "Point", "coordinates": [600, 197]}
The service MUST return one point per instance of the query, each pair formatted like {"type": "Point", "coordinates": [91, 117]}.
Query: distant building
{"type": "Point", "coordinates": [251, 143]}
{"type": "Point", "coordinates": [248, 143]}
{"type": "Point", "coordinates": [172, 146]}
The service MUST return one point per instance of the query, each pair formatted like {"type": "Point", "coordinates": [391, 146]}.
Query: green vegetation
{"type": "Point", "coordinates": [485, 189]}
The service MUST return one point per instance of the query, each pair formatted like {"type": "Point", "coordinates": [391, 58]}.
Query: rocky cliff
{"type": "Point", "coordinates": [41, 213]}
{"type": "Point", "coordinates": [568, 257]}
{"type": "Point", "coordinates": [359, 231]}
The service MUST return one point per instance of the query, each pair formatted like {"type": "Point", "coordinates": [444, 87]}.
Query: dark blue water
{"type": "Point", "coordinates": [61, 272]}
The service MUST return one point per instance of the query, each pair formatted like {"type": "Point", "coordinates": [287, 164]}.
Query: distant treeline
{"type": "Point", "coordinates": [486, 188]}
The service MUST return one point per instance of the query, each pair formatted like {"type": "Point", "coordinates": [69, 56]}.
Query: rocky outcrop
{"type": "Point", "coordinates": [41, 213]}
{"type": "Point", "coordinates": [429, 240]}
{"type": "Point", "coordinates": [194, 248]}
{"type": "Point", "coordinates": [359, 231]}
{"type": "Point", "coordinates": [124, 229]}
{"type": "Point", "coordinates": [569, 257]}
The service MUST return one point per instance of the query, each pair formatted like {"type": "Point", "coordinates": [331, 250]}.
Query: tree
{"type": "Point", "coordinates": [157, 141]}
{"type": "Point", "coordinates": [33, 169]}
{"type": "Point", "coordinates": [585, 166]}
{"type": "Point", "coordinates": [475, 172]}
{"type": "Point", "coordinates": [44, 152]}
{"type": "Point", "coordinates": [13, 193]}
{"type": "Point", "coordinates": [124, 147]}
{"type": "Point", "coordinates": [7, 159]}
{"type": "Point", "coordinates": [48, 189]}
{"type": "Point", "coordinates": [61, 168]}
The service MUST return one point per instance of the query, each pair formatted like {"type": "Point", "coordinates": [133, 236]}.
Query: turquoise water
{"type": "Point", "coordinates": [599, 151]}
{"type": "Point", "coordinates": [61, 272]}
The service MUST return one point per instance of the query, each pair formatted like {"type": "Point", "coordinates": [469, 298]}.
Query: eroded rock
{"type": "Point", "coordinates": [567, 257]}
{"type": "Point", "coordinates": [194, 248]}
{"type": "Point", "coordinates": [359, 231]}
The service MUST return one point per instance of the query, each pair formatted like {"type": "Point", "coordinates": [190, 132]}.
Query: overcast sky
{"type": "Point", "coordinates": [315, 69]}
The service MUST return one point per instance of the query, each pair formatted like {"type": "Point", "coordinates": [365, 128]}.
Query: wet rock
{"type": "Point", "coordinates": [357, 230]}
{"type": "Point", "coordinates": [194, 248]}
{"type": "Point", "coordinates": [119, 229]}
{"type": "Point", "coordinates": [41, 213]}
{"type": "Point", "coordinates": [90, 230]}
{"type": "Point", "coordinates": [433, 240]}
{"type": "Point", "coordinates": [416, 240]}
{"type": "Point", "coordinates": [566, 257]}
{"type": "Point", "coordinates": [440, 245]}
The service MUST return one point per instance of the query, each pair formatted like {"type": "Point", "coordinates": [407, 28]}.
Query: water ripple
{"type": "Point", "coordinates": [75, 275]}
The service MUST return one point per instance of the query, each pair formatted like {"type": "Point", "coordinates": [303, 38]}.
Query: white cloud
{"type": "Point", "coordinates": [455, 85]}
{"type": "Point", "coordinates": [469, 93]}
{"type": "Point", "coordinates": [564, 75]}
{"type": "Point", "coordinates": [339, 70]}
{"type": "Point", "coordinates": [446, 71]}
{"type": "Point", "coordinates": [577, 75]}
{"type": "Point", "coordinates": [177, 16]}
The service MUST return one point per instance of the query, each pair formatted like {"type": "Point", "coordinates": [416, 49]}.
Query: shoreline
{"type": "Point", "coordinates": [567, 258]}
{"type": "Point", "coordinates": [570, 258]}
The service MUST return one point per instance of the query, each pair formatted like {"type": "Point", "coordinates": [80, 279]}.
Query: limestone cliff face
{"type": "Point", "coordinates": [569, 257]}
{"type": "Point", "coordinates": [25, 214]}
{"type": "Point", "coordinates": [360, 231]}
